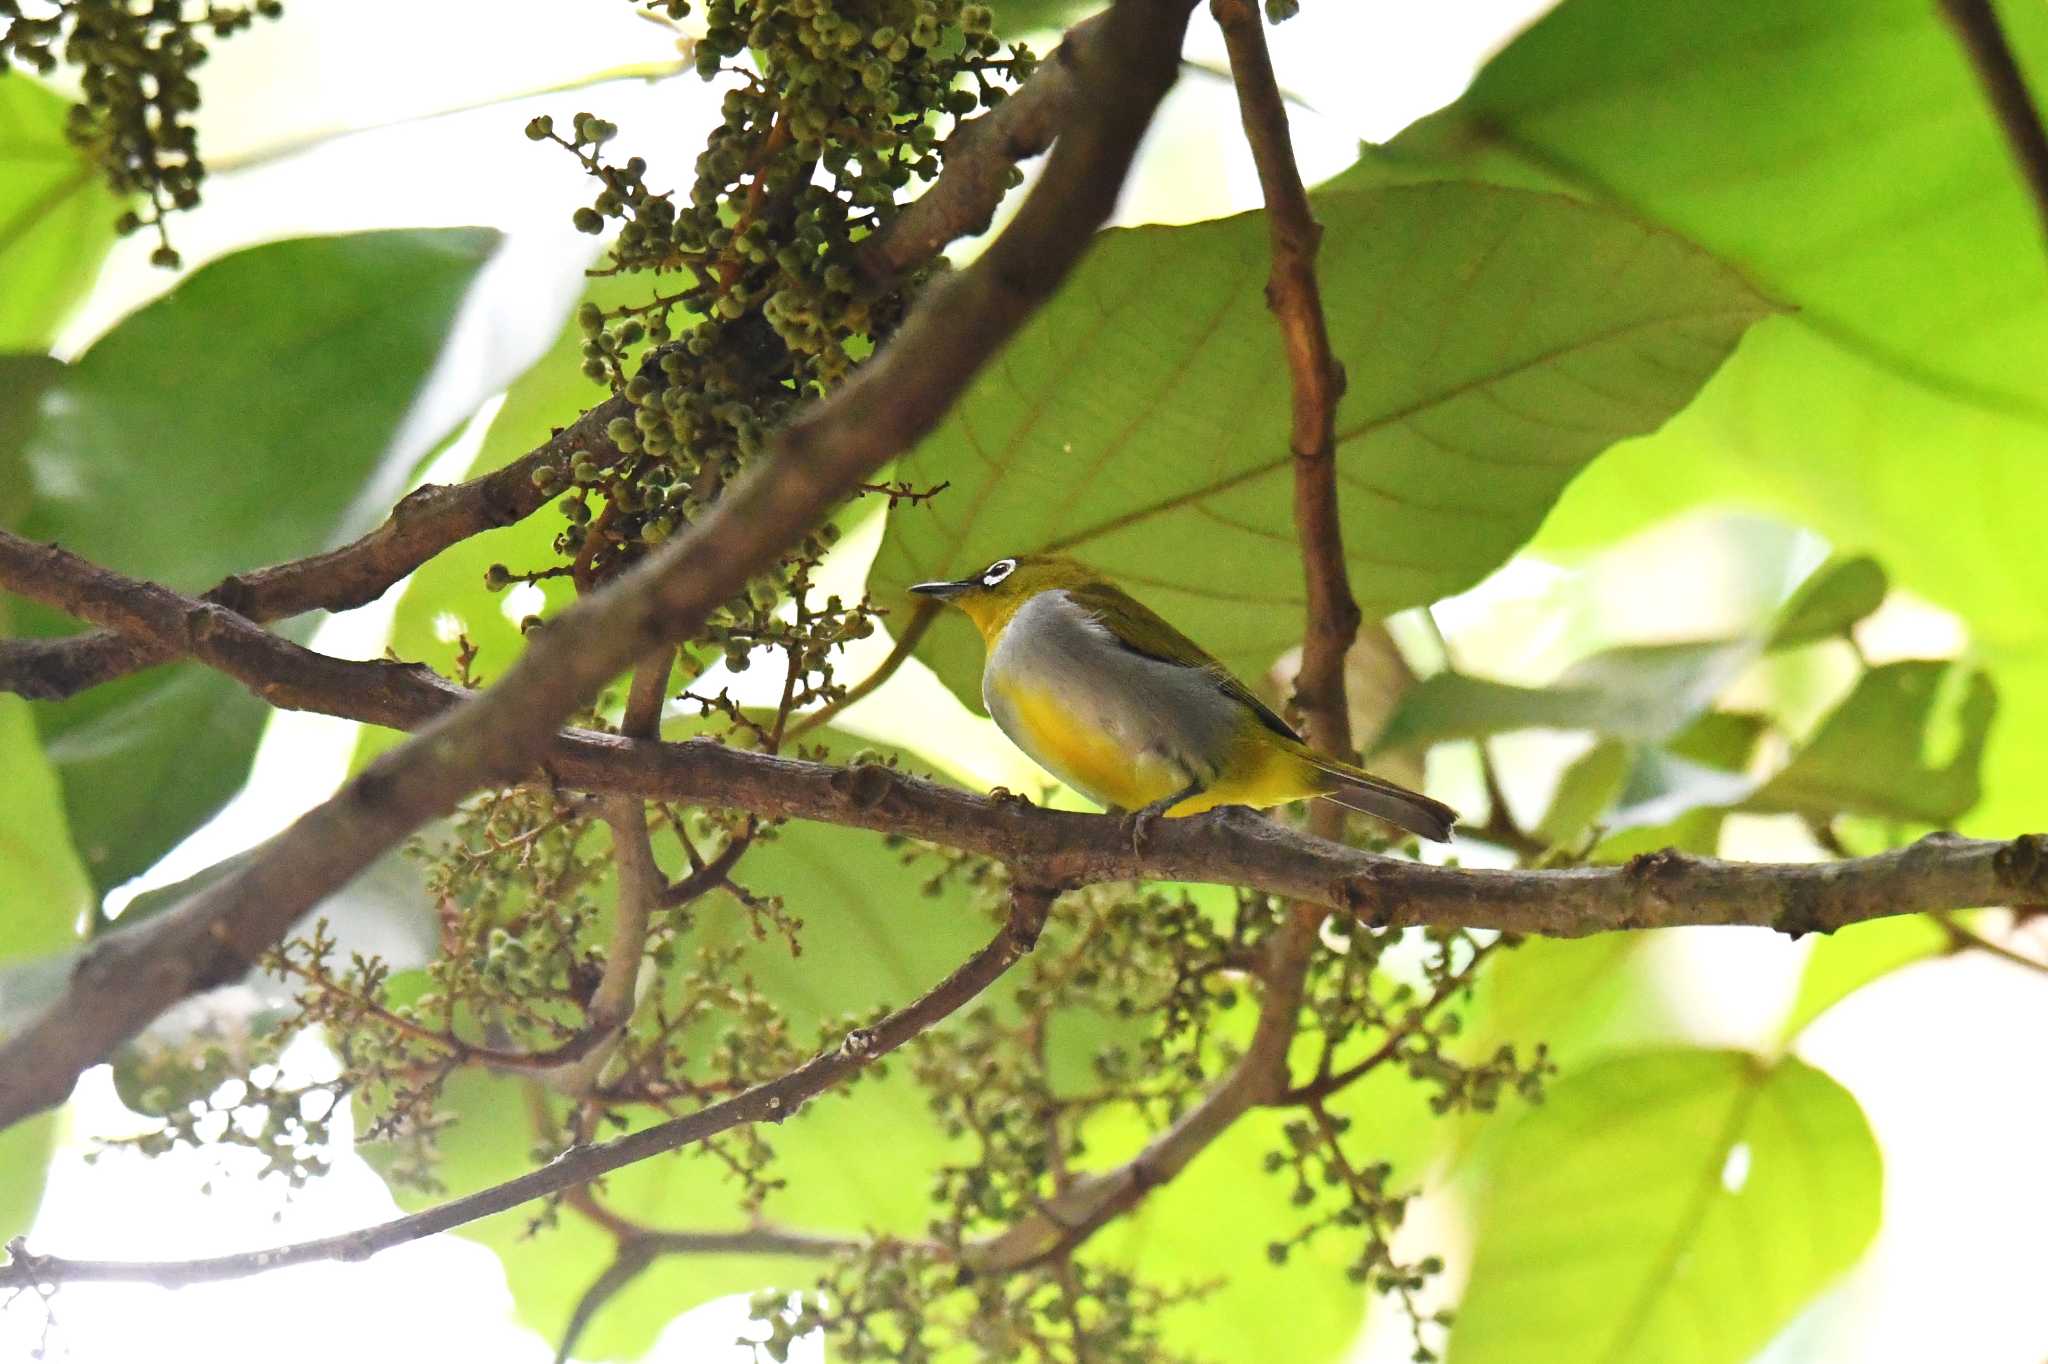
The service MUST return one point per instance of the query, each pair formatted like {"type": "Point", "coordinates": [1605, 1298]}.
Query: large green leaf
{"type": "Point", "coordinates": [1840, 151]}
{"type": "Point", "coordinates": [1673, 1207]}
{"type": "Point", "coordinates": [56, 215]}
{"type": "Point", "coordinates": [1496, 340]}
{"type": "Point", "coordinates": [1682, 114]}
{"type": "Point", "coordinates": [238, 420]}
{"type": "Point", "coordinates": [43, 894]}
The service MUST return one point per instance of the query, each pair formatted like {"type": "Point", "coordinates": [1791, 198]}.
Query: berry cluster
{"type": "Point", "coordinates": [135, 64]}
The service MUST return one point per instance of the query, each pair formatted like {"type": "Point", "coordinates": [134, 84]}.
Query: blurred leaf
{"type": "Point", "coordinates": [181, 472]}
{"type": "Point", "coordinates": [1030, 16]}
{"type": "Point", "coordinates": [23, 381]}
{"type": "Point", "coordinates": [1585, 790]}
{"type": "Point", "coordinates": [1645, 692]}
{"type": "Point", "coordinates": [1677, 796]}
{"type": "Point", "coordinates": [1663, 788]}
{"type": "Point", "coordinates": [1831, 601]}
{"type": "Point", "coordinates": [1872, 755]}
{"type": "Point", "coordinates": [1496, 341]}
{"type": "Point", "coordinates": [1579, 997]}
{"type": "Point", "coordinates": [1902, 408]}
{"type": "Point", "coordinates": [56, 215]}
{"type": "Point", "coordinates": [41, 883]}
{"type": "Point", "coordinates": [383, 911]}
{"type": "Point", "coordinates": [1672, 1206]}
{"type": "Point", "coordinates": [1171, 1240]}
{"type": "Point", "coordinates": [44, 892]}
{"type": "Point", "coordinates": [1848, 959]}
{"type": "Point", "coordinates": [1720, 739]}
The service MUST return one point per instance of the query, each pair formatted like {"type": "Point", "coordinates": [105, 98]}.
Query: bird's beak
{"type": "Point", "coordinates": [942, 590]}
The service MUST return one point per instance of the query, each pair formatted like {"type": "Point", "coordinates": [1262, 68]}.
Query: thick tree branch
{"type": "Point", "coordinates": [979, 157]}
{"type": "Point", "coordinates": [774, 1101]}
{"type": "Point", "coordinates": [1229, 847]}
{"type": "Point", "coordinates": [815, 462]}
{"type": "Point", "coordinates": [1976, 26]}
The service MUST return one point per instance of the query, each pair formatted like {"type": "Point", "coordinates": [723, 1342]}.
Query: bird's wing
{"type": "Point", "coordinates": [1161, 641]}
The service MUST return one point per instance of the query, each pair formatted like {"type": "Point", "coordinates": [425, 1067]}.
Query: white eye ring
{"type": "Point", "coordinates": [997, 571]}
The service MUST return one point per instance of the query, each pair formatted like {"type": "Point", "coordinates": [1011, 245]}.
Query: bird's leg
{"type": "Point", "coordinates": [1140, 822]}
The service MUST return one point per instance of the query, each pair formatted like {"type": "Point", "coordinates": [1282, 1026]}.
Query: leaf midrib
{"type": "Point", "coordinates": [1686, 1231]}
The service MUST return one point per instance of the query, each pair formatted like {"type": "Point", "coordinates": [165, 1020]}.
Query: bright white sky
{"type": "Point", "coordinates": [1957, 1270]}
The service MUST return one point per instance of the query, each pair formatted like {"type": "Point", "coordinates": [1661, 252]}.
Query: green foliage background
{"type": "Point", "coordinates": [1659, 258]}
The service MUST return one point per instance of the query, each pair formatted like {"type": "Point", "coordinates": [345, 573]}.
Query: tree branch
{"type": "Point", "coordinates": [1316, 379]}
{"type": "Point", "coordinates": [773, 1101]}
{"type": "Point", "coordinates": [2005, 85]}
{"type": "Point", "coordinates": [1227, 847]}
{"type": "Point", "coordinates": [815, 462]}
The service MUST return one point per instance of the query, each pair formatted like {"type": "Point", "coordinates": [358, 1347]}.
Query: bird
{"type": "Point", "coordinates": [1103, 693]}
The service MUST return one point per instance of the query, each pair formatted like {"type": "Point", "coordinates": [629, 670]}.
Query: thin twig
{"type": "Point", "coordinates": [921, 617]}
{"type": "Point", "coordinates": [773, 1101]}
{"type": "Point", "coordinates": [1963, 937]}
{"type": "Point", "coordinates": [1976, 26]}
{"type": "Point", "coordinates": [826, 451]}
{"type": "Point", "coordinates": [638, 884]}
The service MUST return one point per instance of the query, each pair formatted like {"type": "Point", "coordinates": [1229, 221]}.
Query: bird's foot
{"type": "Point", "coordinates": [1139, 823]}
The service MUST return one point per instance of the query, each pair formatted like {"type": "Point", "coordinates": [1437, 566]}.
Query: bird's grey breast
{"type": "Point", "coordinates": [1055, 647]}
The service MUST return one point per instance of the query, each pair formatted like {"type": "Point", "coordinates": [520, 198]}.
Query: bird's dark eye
{"type": "Point", "coordinates": [997, 571]}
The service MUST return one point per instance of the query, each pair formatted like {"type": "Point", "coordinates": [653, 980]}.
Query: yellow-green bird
{"type": "Point", "coordinates": [1133, 714]}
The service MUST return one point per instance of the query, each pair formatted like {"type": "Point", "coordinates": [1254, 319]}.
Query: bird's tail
{"type": "Point", "coordinates": [1356, 789]}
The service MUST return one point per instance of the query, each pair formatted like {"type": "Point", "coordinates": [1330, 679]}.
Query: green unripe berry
{"type": "Point", "coordinates": [540, 127]}
{"type": "Point", "coordinates": [587, 220]}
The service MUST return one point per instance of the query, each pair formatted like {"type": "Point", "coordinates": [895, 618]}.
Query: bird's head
{"type": "Point", "coordinates": [991, 596]}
